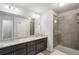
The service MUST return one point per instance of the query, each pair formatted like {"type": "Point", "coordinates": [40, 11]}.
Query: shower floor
{"type": "Point", "coordinates": [55, 52]}
{"type": "Point", "coordinates": [60, 50]}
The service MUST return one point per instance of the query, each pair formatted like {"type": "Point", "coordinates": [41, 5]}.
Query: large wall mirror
{"type": "Point", "coordinates": [15, 27]}
{"type": "Point", "coordinates": [21, 27]}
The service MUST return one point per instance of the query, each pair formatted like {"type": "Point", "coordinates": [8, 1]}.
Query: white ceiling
{"type": "Point", "coordinates": [66, 7]}
{"type": "Point", "coordinates": [41, 7]}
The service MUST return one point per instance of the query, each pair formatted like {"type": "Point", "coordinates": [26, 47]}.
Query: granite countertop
{"type": "Point", "coordinates": [18, 41]}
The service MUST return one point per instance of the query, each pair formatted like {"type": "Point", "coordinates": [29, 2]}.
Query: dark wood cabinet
{"type": "Point", "coordinates": [31, 48]}
{"type": "Point", "coordinates": [28, 48]}
{"type": "Point", "coordinates": [41, 45]}
{"type": "Point", "coordinates": [6, 50]}
{"type": "Point", "coordinates": [10, 53]}
{"type": "Point", "coordinates": [21, 51]}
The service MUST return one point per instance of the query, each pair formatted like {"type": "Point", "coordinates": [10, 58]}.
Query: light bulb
{"type": "Point", "coordinates": [6, 6]}
{"type": "Point", "coordinates": [11, 8]}
{"type": "Point", "coordinates": [16, 9]}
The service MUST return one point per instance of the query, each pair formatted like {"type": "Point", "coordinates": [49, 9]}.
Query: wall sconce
{"type": "Point", "coordinates": [11, 7]}
{"type": "Point", "coordinates": [55, 21]}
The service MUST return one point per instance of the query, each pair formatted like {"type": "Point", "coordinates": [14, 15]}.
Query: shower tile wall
{"type": "Point", "coordinates": [69, 31]}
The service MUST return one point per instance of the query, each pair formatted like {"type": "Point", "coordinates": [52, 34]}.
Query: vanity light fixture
{"type": "Point", "coordinates": [11, 7]}
{"type": "Point", "coordinates": [6, 6]}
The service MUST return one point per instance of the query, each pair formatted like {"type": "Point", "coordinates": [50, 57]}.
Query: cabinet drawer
{"type": "Point", "coordinates": [31, 43]}
{"type": "Point", "coordinates": [39, 41]}
{"type": "Point", "coordinates": [40, 46]}
{"type": "Point", "coordinates": [31, 48]}
{"type": "Point", "coordinates": [32, 52]}
{"type": "Point", "coordinates": [6, 50]}
{"type": "Point", "coordinates": [10, 53]}
{"type": "Point", "coordinates": [12, 48]}
{"type": "Point", "coordinates": [19, 46]}
{"type": "Point", "coordinates": [21, 51]}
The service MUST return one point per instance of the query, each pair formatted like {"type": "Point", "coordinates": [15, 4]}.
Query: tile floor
{"type": "Point", "coordinates": [55, 52]}
{"type": "Point", "coordinates": [60, 50]}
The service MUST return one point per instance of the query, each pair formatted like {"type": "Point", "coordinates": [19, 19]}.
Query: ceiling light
{"type": "Point", "coordinates": [11, 7]}
{"type": "Point", "coordinates": [61, 4]}
{"type": "Point", "coordinates": [6, 6]}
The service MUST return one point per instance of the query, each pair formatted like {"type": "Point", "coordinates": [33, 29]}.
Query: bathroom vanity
{"type": "Point", "coordinates": [26, 46]}
{"type": "Point", "coordinates": [17, 36]}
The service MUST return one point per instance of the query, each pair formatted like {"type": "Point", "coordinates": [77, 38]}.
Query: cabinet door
{"type": "Point", "coordinates": [21, 51]}
{"type": "Point", "coordinates": [31, 52]}
{"type": "Point", "coordinates": [31, 48]}
{"type": "Point", "coordinates": [6, 50]}
{"type": "Point", "coordinates": [41, 45]}
{"type": "Point", "coordinates": [14, 50]}
{"type": "Point", "coordinates": [9, 53]}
